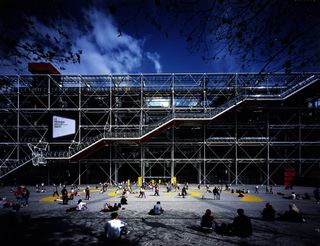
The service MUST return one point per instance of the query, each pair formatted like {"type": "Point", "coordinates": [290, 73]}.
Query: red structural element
{"type": "Point", "coordinates": [100, 144]}
{"type": "Point", "coordinates": [42, 68]}
{"type": "Point", "coordinates": [289, 176]}
{"type": "Point", "coordinates": [157, 132]}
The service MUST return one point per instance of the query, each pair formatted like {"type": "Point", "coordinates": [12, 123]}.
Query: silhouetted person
{"type": "Point", "coordinates": [55, 192]}
{"type": "Point", "coordinates": [242, 226]}
{"type": "Point", "coordinates": [268, 212]}
{"type": "Point", "coordinates": [207, 219]}
{"type": "Point", "coordinates": [123, 200]}
{"type": "Point", "coordinates": [64, 194]}
{"type": "Point", "coordinates": [292, 215]}
{"type": "Point", "coordinates": [87, 191]}
{"type": "Point", "coordinates": [184, 191]}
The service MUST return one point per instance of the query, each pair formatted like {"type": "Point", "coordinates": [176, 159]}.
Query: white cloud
{"type": "Point", "coordinates": [103, 51]}
{"type": "Point", "coordinates": [155, 57]}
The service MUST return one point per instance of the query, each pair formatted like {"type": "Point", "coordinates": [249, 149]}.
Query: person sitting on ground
{"type": "Point", "coordinates": [292, 196]}
{"type": "Point", "coordinates": [268, 212]}
{"type": "Point", "coordinates": [123, 200]}
{"type": "Point", "coordinates": [241, 225]}
{"type": "Point", "coordinates": [157, 209]}
{"type": "Point", "coordinates": [292, 215]}
{"type": "Point", "coordinates": [107, 208]}
{"type": "Point", "coordinates": [115, 227]}
{"type": "Point", "coordinates": [81, 206]}
{"type": "Point", "coordinates": [207, 220]}
{"type": "Point", "coordinates": [4, 203]}
{"type": "Point", "coordinates": [116, 206]}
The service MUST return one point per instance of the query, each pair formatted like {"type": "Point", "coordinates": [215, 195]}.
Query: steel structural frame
{"type": "Point", "coordinates": [107, 94]}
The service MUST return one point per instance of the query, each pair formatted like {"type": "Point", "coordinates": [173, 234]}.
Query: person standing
{"type": "Point", "coordinates": [256, 189]}
{"type": "Point", "coordinates": [184, 191]}
{"type": "Point", "coordinates": [25, 196]}
{"type": "Point", "coordinates": [87, 191]}
{"type": "Point", "coordinates": [142, 192]}
{"type": "Point", "coordinates": [156, 190]}
{"type": "Point", "coordinates": [64, 194]}
{"type": "Point", "coordinates": [55, 192]}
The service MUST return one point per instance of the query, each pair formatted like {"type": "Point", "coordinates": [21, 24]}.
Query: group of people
{"type": "Point", "coordinates": [292, 215]}
{"type": "Point", "coordinates": [115, 228]}
{"type": "Point", "coordinates": [242, 226]}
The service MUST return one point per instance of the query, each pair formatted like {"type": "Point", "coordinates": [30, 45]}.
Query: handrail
{"type": "Point", "coordinates": [297, 83]}
{"type": "Point", "coordinates": [246, 93]}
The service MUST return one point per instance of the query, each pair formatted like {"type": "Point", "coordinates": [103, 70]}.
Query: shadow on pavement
{"type": "Point", "coordinates": [18, 229]}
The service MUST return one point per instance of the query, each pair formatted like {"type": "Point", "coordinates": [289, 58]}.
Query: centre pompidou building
{"type": "Point", "coordinates": [238, 128]}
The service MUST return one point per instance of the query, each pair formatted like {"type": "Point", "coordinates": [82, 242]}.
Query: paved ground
{"type": "Point", "coordinates": [47, 223]}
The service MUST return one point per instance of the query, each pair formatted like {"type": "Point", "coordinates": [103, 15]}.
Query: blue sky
{"type": "Point", "coordinates": [148, 52]}
{"type": "Point", "coordinates": [140, 48]}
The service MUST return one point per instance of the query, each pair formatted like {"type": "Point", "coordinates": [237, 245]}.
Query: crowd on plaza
{"type": "Point", "coordinates": [241, 225]}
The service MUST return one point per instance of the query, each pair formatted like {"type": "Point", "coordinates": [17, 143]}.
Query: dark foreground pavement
{"type": "Point", "coordinates": [48, 224]}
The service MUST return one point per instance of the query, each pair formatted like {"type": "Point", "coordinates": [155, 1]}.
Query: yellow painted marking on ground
{"type": "Point", "coordinates": [196, 194]}
{"type": "Point", "coordinates": [93, 190]}
{"type": "Point", "coordinates": [251, 198]}
{"type": "Point", "coordinates": [49, 199]}
{"type": "Point", "coordinates": [113, 194]}
{"type": "Point", "coordinates": [247, 197]}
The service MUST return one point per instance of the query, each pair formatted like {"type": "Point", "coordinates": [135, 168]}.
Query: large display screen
{"type": "Point", "coordinates": [62, 126]}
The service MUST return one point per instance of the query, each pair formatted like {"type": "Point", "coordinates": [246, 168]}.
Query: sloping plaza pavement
{"type": "Point", "coordinates": [46, 222]}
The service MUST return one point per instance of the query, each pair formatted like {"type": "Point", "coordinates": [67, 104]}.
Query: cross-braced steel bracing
{"type": "Point", "coordinates": [220, 125]}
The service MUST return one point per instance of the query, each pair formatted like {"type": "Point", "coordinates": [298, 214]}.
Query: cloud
{"type": "Point", "coordinates": [104, 51]}
{"type": "Point", "coordinates": [155, 57]}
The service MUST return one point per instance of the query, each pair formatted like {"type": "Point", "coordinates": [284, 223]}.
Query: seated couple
{"type": "Point", "coordinates": [109, 208]}
{"type": "Point", "coordinates": [241, 225]}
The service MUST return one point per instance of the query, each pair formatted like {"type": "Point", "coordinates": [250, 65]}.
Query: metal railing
{"type": "Point", "coordinates": [298, 83]}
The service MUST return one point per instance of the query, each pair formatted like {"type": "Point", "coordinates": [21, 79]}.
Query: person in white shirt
{"type": "Point", "coordinates": [115, 227]}
{"type": "Point", "coordinates": [81, 205]}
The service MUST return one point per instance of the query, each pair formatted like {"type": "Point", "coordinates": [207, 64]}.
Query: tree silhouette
{"type": "Point", "coordinates": [271, 35]}
{"type": "Point", "coordinates": [32, 31]}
